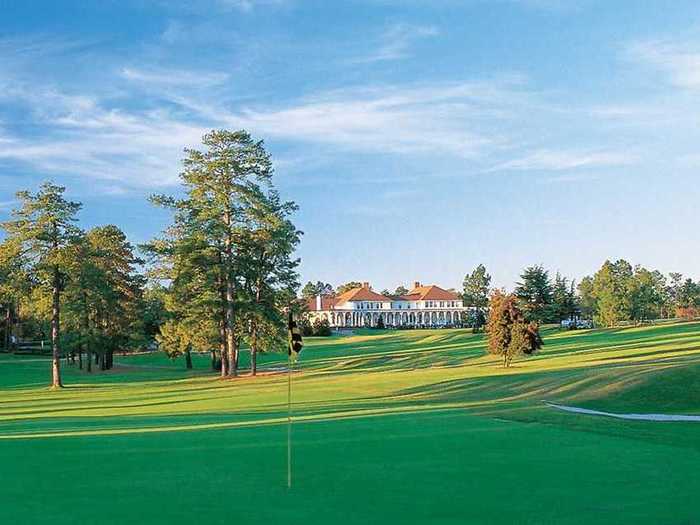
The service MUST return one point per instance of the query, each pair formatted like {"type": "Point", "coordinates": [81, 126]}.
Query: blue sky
{"type": "Point", "coordinates": [419, 138]}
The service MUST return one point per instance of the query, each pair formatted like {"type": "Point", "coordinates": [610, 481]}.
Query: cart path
{"type": "Point", "coordinates": [637, 417]}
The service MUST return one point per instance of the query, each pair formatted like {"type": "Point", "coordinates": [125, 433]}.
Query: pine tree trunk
{"type": "Point", "coordinates": [55, 327]}
{"type": "Point", "coordinates": [8, 327]}
{"type": "Point", "coordinates": [230, 327]}
{"type": "Point", "coordinates": [223, 347]}
{"type": "Point", "coordinates": [213, 359]}
{"type": "Point", "coordinates": [224, 362]}
{"type": "Point", "coordinates": [86, 330]}
{"type": "Point", "coordinates": [230, 292]}
{"type": "Point", "coordinates": [231, 357]}
{"type": "Point", "coordinates": [188, 358]}
{"type": "Point", "coordinates": [254, 333]}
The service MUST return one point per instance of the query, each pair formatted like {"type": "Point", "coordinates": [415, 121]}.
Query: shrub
{"type": "Point", "coordinates": [322, 328]}
{"type": "Point", "coordinates": [306, 329]}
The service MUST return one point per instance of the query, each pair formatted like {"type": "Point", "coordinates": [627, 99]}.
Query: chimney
{"type": "Point", "coordinates": [365, 285]}
{"type": "Point", "coordinates": [416, 284]}
{"type": "Point", "coordinates": [318, 302]}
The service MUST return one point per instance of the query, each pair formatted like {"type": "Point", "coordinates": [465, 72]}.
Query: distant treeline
{"type": "Point", "coordinates": [616, 293]}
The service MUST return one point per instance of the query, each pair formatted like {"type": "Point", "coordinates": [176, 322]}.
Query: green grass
{"type": "Point", "coordinates": [393, 427]}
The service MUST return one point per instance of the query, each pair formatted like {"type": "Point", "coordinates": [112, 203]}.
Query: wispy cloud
{"type": "Point", "coordinates": [389, 120]}
{"type": "Point", "coordinates": [396, 41]}
{"type": "Point", "coordinates": [249, 5]}
{"type": "Point", "coordinates": [680, 61]}
{"type": "Point", "coordinates": [117, 134]}
{"type": "Point", "coordinates": [375, 210]}
{"type": "Point", "coordinates": [555, 5]}
{"type": "Point", "coordinates": [567, 178]}
{"type": "Point", "coordinates": [104, 138]}
{"type": "Point", "coordinates": [199, 6]}
{"type": "Point", "coordinates": [173, 77]}
{"type": "Point", "coordinates": [82, 137]}
{"type": "Point", "coordinates": [552, 160]}
{"type": "Point", "coordinates": [38, 45]}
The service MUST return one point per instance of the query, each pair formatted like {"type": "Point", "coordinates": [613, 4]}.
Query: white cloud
{"type": "Point", "coordinates": [568, 178]}
{"type": "Point", "coordinates": [173, 77]}
{"type": "Point", "coordinates": [679, 61]}
{"type": "Point", "coordinates": [395, 42]}
{"type": "Point", "coordinates": [37, 45]}
{"type": "Point", "coordinates": [249, 5]}
{"type": "Point", "coordinates": [451, 119]}
{"type": "Point", "coordinates": [106, 139]}
{"type": "Point", "coordinates": [557, 5]}
{"type": "Point", "coordinates": [553, 160]}
{"type": "Point", "coordinates": [111, 139]}
{"type": "Point", "coordinates": [84, 138]}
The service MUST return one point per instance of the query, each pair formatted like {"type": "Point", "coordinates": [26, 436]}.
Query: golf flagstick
{"type": "Point", "coordinates": [295, 346]}
{"type": "Point", "coordinates": [289, 420]}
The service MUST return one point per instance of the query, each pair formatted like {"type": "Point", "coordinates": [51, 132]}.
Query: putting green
{"type": "Point", "coordinates": [407, 427]}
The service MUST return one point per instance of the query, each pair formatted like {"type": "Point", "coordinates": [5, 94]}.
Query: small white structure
{"type": "Point", "coordinates": [576, 323]}
{"type": "Point", "coordinates": [424, 306]}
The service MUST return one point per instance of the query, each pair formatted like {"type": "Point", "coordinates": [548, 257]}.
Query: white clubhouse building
{"type": "Point", "coordinates": [424, 306]}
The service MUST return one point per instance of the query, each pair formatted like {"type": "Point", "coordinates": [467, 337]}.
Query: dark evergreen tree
{"type": "Point", "coordinates": [475, 293]}
{"type": "Point", "coordinates": [534, 292]}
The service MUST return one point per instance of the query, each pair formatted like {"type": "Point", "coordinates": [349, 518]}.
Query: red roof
{"type": "Point", "coordinates": [327, 303]}
{"type": "Point", "coordinates": [432, 293]}
{"type": "Point", "coordinates": [362, 293]}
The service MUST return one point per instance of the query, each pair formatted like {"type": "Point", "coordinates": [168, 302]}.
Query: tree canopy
{"type": "Point", "coordinates": [347, 286]}
{"type": "Point", "coordinates": [311, 289]}
{"type": "Point", "coordinates": [42, 228]}
{"type": "Point", "coordinates": [509, 334]}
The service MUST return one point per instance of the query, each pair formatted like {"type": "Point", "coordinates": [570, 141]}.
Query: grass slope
{"type": "Point", "coordinates": [411, 427]}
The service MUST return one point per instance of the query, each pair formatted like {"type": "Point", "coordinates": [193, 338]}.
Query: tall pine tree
{"type": "Point", "coordinates": [44, 226]}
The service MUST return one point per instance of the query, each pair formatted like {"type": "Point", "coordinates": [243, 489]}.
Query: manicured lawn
{"type": "Point", "coordinates": [392, 427]}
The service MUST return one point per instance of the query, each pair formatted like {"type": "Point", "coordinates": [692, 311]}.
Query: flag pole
{"type": "Point", "coordinates": [289, 421]}
{"type": "Point", "coordinates": [295, 346]}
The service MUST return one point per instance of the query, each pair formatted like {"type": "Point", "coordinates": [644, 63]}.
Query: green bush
{"type": "Point", "coordinates": [306, 329]}
{"type": "Point", "coordinates": [322, 328]}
